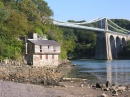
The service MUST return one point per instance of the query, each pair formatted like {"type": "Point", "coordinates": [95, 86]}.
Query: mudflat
{"type": "Point", "coordinates": [66, 89]}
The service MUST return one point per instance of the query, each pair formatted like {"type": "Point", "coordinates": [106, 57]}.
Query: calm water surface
{"type": "Point", "coordinates": [115, 71]}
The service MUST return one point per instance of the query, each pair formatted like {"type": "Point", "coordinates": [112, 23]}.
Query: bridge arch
{"type": "Point", "coordinates": [113, 47]}
{"type": "Point", "coordinates": [118, 45]}
{"type": "Point", "coordinates": [123, 41]}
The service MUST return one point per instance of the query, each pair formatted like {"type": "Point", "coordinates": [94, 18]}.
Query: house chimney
{"type": "Point", "coordinates": [35, 36]}
{"type": "Point", "coordinates": [44, 37]}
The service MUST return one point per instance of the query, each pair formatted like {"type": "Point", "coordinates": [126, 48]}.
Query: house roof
{"type": "Point", "coordinates": [44, 42]}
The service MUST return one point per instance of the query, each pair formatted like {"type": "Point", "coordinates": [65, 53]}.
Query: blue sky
{"type": "Point", "coordinates": [89, 9]}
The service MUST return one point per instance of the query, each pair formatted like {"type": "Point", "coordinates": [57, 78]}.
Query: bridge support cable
{"type": "Point", "coordinates": [117, 29]}
{"type": "Point", "coordinates": [75, 25]}
{"type": "Point", "coordinates": [92, 21]}
{"type": "Point", "coordinates": [118, 26]}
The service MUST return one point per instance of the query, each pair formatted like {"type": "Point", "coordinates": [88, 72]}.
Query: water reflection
{"type": "Point", "coordinates": [109, 73]}
{"type": "Point", "coordinates": [115, 71]}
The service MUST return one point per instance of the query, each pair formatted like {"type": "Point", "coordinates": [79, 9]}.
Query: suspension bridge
{"type": "Point", "coordinates": [110, 36]}
{"type": "Point", "coordinates": [103, 26]}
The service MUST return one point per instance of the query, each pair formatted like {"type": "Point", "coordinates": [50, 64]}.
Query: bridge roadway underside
{"type": "Point", "coordinates": [109, 45]}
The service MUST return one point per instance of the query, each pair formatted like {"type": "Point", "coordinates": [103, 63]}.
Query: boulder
{"type": "Point", "coordinates": [81, 85]}
{"type": "Point", "coordinates": [104, 95]}
{"type": "Point", "coordinates": [106, 89]}
{"type": "Point", "coordinates": [98, 85]}
{"type": "Point", "coordinates": [121, 88]}
{"type": "Point", "coordinates": [114, 93]}
{"type": "Point", "coordinates": [113, 87]}
{"type": "Point", "coordinates": [108, 84]}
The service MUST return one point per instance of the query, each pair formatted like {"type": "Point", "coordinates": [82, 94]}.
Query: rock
{"type": "Point", "coordinates": [108, 84]}
{"type": "Point", "coordinates": [103, 86]}
{"type": "Point", "coordinates": [13, 80]}
{"type": "Point", "coordinates": [72, 81]}
{"type": "Point", "coordinates": [63, 86]}
{"type": "Point", "coordinates": [121, 88]}
{"type": "Point", "coordinates": [5, 78]}
{"type": "Point", "coordinates": [24, 73]}
{"type": "Point", "coordinates": [88, 86]}
{"type": "Point", "coordinates": [98, 85]}
{"type": "Point", "coordinates": [113, 87]}
{"type": "Point", "coordinates": [114, 93]}
{"type": "Point", "coordinates": [127, 88]}
{"type": "Point", "coordinates": [81, 85]}
{"type": "Point", "coordinates": [106, 89]}
{"type": "Point", "coordinates": [104, 95]}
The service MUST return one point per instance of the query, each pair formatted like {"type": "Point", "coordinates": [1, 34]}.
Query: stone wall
{"type": "Point", "coordinates": [45, 60]}
{"type": "Point", "coordinates": [101, 51]}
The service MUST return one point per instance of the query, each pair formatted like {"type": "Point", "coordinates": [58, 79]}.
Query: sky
{"type": "Point", "coordinates": [89, 9]}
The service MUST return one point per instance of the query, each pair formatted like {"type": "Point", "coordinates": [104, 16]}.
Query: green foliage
{"type": "Point", "coordinates": [73, 21]}
{"type": "Point", "coordinates": [18, 18]}
{"type": "Point", "coordinates": [4, 13]}
{"type": "Point", "coordinates": [122, 23]}
{"type": "Point", "coordinates": [39, 31]}
{"type": "Point", "coordinates": [43, 8]}
{"type": "Point", "coordinates": [125, 52]}
{"type": "Point", "coordinates": [79, 43]}
{"type": "Point", "coordinates": [85, 45]}
{"type": "Point", "coordinates": [69, 39]}
{"type": "Point", "coordinates": [63, 54]}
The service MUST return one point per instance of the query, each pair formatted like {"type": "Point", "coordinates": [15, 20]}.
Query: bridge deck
{"type": "Point", "coordinates": [71, 25]}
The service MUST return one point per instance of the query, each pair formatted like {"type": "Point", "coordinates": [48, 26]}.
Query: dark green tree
{"type": "Point", "coordinates": [125, 52]}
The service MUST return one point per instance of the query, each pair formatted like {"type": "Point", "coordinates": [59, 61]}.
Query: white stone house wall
{"type": "Point", "coordinates": [48, 56]}
{"type": "Point", "coordinates": [45, 60]}
{"type": "Point", "coordinates": [47, 49]}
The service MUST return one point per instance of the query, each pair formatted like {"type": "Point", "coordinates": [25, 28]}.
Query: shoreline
{"type": "Point", "coordinates": [69, 87]}
{"type": "Point", "coordinates": [74, 72]}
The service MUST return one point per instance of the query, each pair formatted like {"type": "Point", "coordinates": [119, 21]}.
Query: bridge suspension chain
{"type": "Point", "coordinates": [78, 25]}
{"type": "Point", "coordinates": [92, 21]}
{"type": "Point", "coordinates": [118, 26]}
{"type": "Point", "coordinates": [116, 29]}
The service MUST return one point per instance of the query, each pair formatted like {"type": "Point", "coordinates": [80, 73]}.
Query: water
{"type": "Point", "coordinates": [115, 71]}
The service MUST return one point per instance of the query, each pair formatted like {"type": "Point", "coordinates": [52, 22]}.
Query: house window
{"type": "Point", "coordinates": [54, 48]}
{"type": "Point", "coordinates": [52, 56]}
{"type": "Point", "coordinates": [46, 57]}
{"type": "Point", "coordinates": [40, 48]}
{"type": "Point", "coordinates": [40, 57]}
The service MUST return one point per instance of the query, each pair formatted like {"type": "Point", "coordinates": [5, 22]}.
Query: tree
{"type": "Point", "coordinates": [18, 18]}
{"type": "Point", "coordinates": [86, 44]}
{"type": "Point", "coordinates": [122, 23]}
{"type": "Point", "coordinates": [4, 13]}
{"type": "Point", "coordinates": [125, 52]}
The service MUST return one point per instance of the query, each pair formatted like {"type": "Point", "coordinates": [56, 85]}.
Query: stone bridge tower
{"type": "Point", "coordinates": [108, 44]}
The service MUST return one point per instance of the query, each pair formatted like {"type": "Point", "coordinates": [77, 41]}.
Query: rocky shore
{"type": "Point", "coordinates": [19, 80]}
{"type": "Point", "coordinates": [22, 73]}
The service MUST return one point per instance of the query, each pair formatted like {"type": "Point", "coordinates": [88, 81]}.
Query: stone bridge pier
{"type": "Point", "coordinates": [109, 45]}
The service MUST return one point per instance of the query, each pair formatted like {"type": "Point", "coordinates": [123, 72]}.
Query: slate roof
{"type": "Point", "coordinates": [44, 42]}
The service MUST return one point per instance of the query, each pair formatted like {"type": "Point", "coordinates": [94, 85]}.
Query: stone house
{"type": "Point", "coordinates": [42, 52]}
